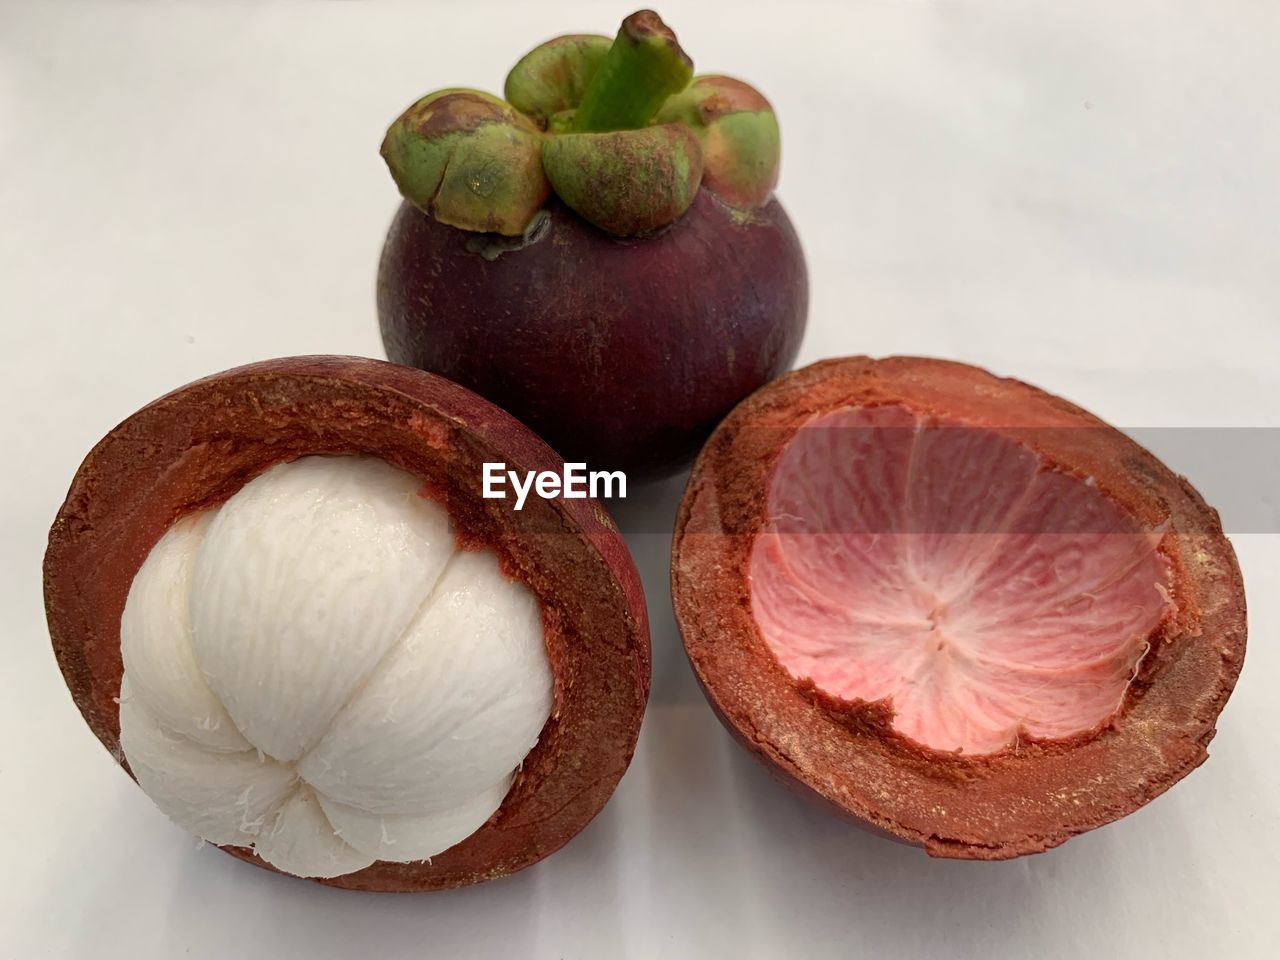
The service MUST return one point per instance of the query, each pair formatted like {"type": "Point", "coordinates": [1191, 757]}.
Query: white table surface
{"type": "Point", "coordinates": [1083, 195]}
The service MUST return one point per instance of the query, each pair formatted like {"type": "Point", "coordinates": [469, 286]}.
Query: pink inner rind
{"type": "Point", "coordinates": [951, 571]}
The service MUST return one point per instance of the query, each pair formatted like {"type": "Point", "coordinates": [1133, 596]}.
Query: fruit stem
{"type": "Point", "coordinates": [644, 66]}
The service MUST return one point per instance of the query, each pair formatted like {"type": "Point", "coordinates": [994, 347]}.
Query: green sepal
{"type": "Point", "coordinates": [738, 131]}
{"type": "Point", "coordinates": [468, 159]}
{"type": "Point", "coordinates": [626, 182]}
{"type": "Point", "coordinates": [551, 78]}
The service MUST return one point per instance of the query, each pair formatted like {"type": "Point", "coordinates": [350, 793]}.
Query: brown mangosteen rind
{"type": "Point", "coordinates": [693, 319]}
{"type": "Point", "coordinates": [195, 447]}
{"type": "Point", "coordinates": [1021, 800]}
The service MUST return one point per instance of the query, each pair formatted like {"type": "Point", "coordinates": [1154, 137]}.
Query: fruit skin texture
{"type": "Point", "coordinates": [846, 756]}
{"type": "Point", "coordinates": [195, 447]}
{"type": "Point", "coordinates": [623, 354]}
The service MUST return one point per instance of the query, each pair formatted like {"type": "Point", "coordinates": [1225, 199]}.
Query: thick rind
{"type": "Point", "coordinates": [621, 353]}
{"type": "Point", "coordinates": [196, 446]}
{"type": "Point", "coordinates": [1023, 800]}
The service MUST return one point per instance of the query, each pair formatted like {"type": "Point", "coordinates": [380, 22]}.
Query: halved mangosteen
{"type": "Point", "coordinates": [280, 599]}
{"type": "Point", "coordinates": [956, 608]}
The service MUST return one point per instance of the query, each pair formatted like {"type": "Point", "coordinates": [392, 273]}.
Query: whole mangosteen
{"type": "Point", "coordinates": [600, 252]}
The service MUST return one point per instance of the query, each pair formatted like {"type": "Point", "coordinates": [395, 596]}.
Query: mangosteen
{"type": "Point", "coordinates": [281, 600]}
{"type": "Point", "coordinates": [600, 252]}
{"type": "Point", "coordinates": [953, 607]}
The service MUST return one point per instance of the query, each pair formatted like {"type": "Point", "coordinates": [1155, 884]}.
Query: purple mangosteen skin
{"type": "Point", "coordinates": [621, 353]}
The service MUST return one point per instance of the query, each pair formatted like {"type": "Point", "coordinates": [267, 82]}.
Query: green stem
{"type": "Point", "coordinates": [643, 67]}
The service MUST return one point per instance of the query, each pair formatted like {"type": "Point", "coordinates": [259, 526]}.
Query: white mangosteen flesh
{"type": "Point", "coordinates": [314, 670]}
{"type": "Point", "coordinates": [949, 570]}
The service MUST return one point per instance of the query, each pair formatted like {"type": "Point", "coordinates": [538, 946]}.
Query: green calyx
{"type": "Point", "coordinates": [616, 128]}
{"type": "Point", "coordinates": [468, 159]}
{"type": "Point", "coordinates": [551, 79]}
{"type": "Point", "coordinates": [627, 182]}
{"type": "Point", "coordinates": [738, 132]}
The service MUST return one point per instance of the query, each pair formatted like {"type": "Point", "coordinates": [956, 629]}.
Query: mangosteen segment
{"type": "Point", "coordinates": [952, 607]}
{"type": "Point", "coordinates": [378, 679]}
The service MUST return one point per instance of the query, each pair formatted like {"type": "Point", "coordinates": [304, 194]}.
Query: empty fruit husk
{"type": "Point", "coordinates": [958, 609]}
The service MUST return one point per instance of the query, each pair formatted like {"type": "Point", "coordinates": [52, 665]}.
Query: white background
{"type": "Point", "coordinates": [1084, 195]}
